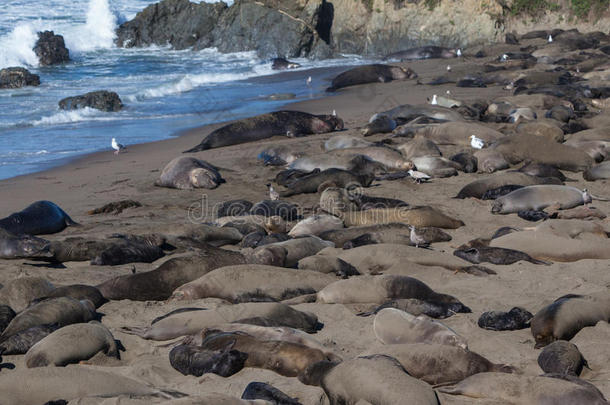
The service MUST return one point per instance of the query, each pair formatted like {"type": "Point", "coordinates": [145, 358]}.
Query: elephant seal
{"type": "Point", "coordinates": [342, 141]}
{"type": "Point", "coordinates": [457, 133]}
{"type": "Point", "coordinates": [539, 197]}
{"type": "Point", "coordinates": [233, 208]}
{"type": "Point", "coordinates": [597, 172]}
{"type": "Point", "coordinates": [495, 193]}
{"type": "Point", "coordinates": [266, 392]}
{"type": "Point", "coordinates": [283, 63]}
{"type": "Point", "coordinates": [72, 344]}
{"type": "Point", "coordinates": [277, 156]}
{"type": "Point", "coordinates": [158, 284]}
{"type": "Point", "coordinates": [39, 218]}
{"type": "Point", "coordinates": [375, 379]}
{"type": "Point", "coordinates": [19, 292]}
{"type": "Point", "coordinates": [542, 170]}
{"type": "Point", "coordinates": [495, 255]}
{"type": "Point", "coordinates": [438, 363]}
{"type": "Point", "coordinates": [21, 342]}
{"type": "Point", "coordinates": [285, 123]}
{"type": "Point", "coordinates": [380, 289]}
{"type": "Point", "coordinates": [393, 326]}
{"type": "Point", "coordinates": [50, 383]}
{"type": "Point", "coordinates": [562, 357]}
{"type": "Point", "coordinates": [425, 236]}
{"type": "Point", "coordinates": [567, 315]}
{"type": "Point", "coordinates": [328, 264]}
{"type": "Point", "coordinates": [489, 160]}
{"type": "Point", "coordinates": [315, 225]}
{"type": "Point", "coordinates": [479, 187]}
{"type": "Point", "coordinates": [193, 360]}
{"type": "Point", "coordinates": [417, 216]}
{"type": "Point", "coordinates": [273, 208]}
{"type": "Point", "coordinates": [188, 323]}
{"type": "Point", "coordinates": [407, 112]}
{"type": "Point", "coordinates": [418, 307]}
{"type": "Point", "coordinates": [419, 146]}
{"type": "Point", "coordinates": [337, 177]}
{"type": "Point", "coordinates": [285, 358]}
{"type": "Point", "coordinates": [253, 283]}
{"type": "Point", "coordinates": [467, 161]}
{"type": "Point", "coordinates": [256, 239]}
{"type": "Point", "coordinates": [6, 316]}
{"type": "Point", "coordinates": [521, 389]}
{"type": "Point", "coordinates": [520, 147]}
{"type": "Point", "coordinates": [380, 125]}
{"type": "Point", "coordinates": [187, 173]}
{"type": "Point", "coordinates": [299, 248]}
{"type": "Point", "coordinates": [515, 319]}
{"type": "Point", "coordinates": [62, 310]}
{"type": "Point", "coordinates": [23, 247]}
{"type": "Point", "coordinates": [370, 74]}
{"type": "Point", "coordinates": [76, 291]}
{"type": "Point", "coordinates": [423, 52]}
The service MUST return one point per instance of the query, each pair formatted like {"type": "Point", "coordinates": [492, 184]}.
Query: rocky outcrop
{"type": "Point", "coordinates": [102, 100]}
{"type": "Point", "coordinates": [51, 49]}
{"type": "Point", "coordinates": [15, 77]}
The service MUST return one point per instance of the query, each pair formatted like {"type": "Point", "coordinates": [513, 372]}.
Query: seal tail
{"type": "Point", "coordinates": [198, 148]}
{"type": "Point", "coordinates": [135, 330]}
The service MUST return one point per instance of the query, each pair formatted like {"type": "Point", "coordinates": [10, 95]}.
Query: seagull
{"type": "Point", "coordinates": [448, 68]}
{"type": "Point", "coordinates": [419, 177]}
{"type": "Point", "coordinates": [308, 81]}
{"type": "Point", "coordinates": [116, 146]}
{"type": "Point", "coordinates": [476, 143]}
{"type": "Point", "coordinates": [417, 238]}
{"type": "Point", "coordinates": [334, 113]}
{"type": "Point", "coordinates": [273, 195]}
{"type": "Point", "coordinates": [448, 92]}
{"type": "Point", "coordinates": [458, 52]}
{"type": "Point", "coordinates": [505, 57]}
{"type": "Point", "coordinates": [550, 39]}
{"type": "Point", "coordinates": [434, 102]}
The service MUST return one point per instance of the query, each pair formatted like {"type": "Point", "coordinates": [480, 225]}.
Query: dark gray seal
{"type": "Point", "coordinates": [283, 63]}
{"type": "Point", "coordinates": [23, 247]}
{"type": "Point", "coordinates": [542, 170]}
{"type": "Point", "coordinates": [495, 255]}
{"type": "Point", "coordinates": [515, 319]}
{"type": "Point", "coordinates": [562, 357]}
{"type": "Point", "coordinates": [284, 123]}
{"type": "Point", "coordinates": [21, 342]}
{"type": "Point", "coordinates": [255, 239]}
{"type": "Point", "coordinates": [423, 52]}
{"type": "Point", "coordinates": [39, 218]}
{"type": "Point", "coordinates": [193, 360]}
{"type": "Point", "coordinates": [270, 208]}
{"type": "Point", "coordinates": [233, 208]}
{"type": "Point", "coordinates": [266, 392]}
{"type": "Point", "coordinates": [414, 306]}
{"type": "Point", "coordinates": [467, 161]}
{"type": "Point", "coordinates": [187, 173]}
{"type": "Point", "coordinates": [6, 316]}
{"type": "Point", "coordinates": [500, 191]}
{"type": "Point", "coordinates": [76, 291]}
{"type": "Point", "coordinates": [370, 74]}
{"type": "Point", "coordinates": [333, 177]}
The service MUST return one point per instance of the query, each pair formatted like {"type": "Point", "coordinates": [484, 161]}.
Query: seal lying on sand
{"type": "Point", "coordinates": [285, 123]}
{"type": "Point", "coordinates": [370, 74]}
{"type": "Point", "coordinates": [423, 52]}
{"type": "Point", "coordinates": [187, 173]}
{"type": "Point", "coordinates": [565, 317]}
{"type": "Point", "coordinates": [39, 218]}
{"type": "Point", "coordinates": [416, 216]}
{"type": "Point", "coordinates": [337, 177]}
{"type": "Point", "coordinates": [20, 291]}
{"type": "Point", "coordinates": [393, 326]}
{"type": "Point", "coordinates": [190, 322]}
{"type": "Point", "coordinates": [158, 284]}
{"type": "Point", "coordinates": [516, 318]}
{"type": "Point", "coordinates": [539, 197]}
{"type": "Point", "coordinates": [266, 392]}
{"type": "Point", "coordinates": [375, 379]}
{"type": "Point", "coordinates": [71, 344]}
{"type": "Point", "coordinates": [562, 357]}
{"type": "Point", "coordinates": [521, 389]}
{"type": "Point", "coordinates": [23, 247]}
{"type": "Point", "coordinates": [21, 342]}
{"type": "Point", "coordinates": [597, 172]}
{"type": "Point", "coordinates": [193, 360]}
{"type": "Point", "coordinates": [437, 363]}
{"type": "Point", "coordinates": [479, 187]}
{"type": "Point", "coordinates": [495, 255]}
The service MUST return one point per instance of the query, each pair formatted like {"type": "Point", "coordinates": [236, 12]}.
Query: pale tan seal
{"type": "Point", "coordinates": [458, 133]}
{"type": "Point", "coordinates": [423, 216]}
{"type": "Point", "coordinates": [419, 146]}
{"type": "Point", "coordinates": [539, 197]}
{"type": "Point", "coordinates": [343, 141]}
{"type": "Point", "coordinates": [253, 282]}
{"type": "Point", "coordinates": [393, 326]}
{"type": "Point", "coordinates": [187, 173]}
{"type": "Point", "coordinates": [437, 363]}
{"type": "Point", "coordinates": [478, 187]}
{"type": "Point", "coordinates": [19, 292]}
{"type": "Point", "coordinates": [72, 344]}
{"type": "Point", "coordinates": [315, 225]}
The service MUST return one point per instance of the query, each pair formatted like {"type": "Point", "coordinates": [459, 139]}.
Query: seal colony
{"type": "Point", "coordinates": [281, 261]}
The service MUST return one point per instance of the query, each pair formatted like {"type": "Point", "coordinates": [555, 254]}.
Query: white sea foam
{"type": "Point", "coordinates": [99, 30]}
{"type": "Point", "coordinates": [64, 117]}
{"type": "Point", "coordinates": [16, 47]}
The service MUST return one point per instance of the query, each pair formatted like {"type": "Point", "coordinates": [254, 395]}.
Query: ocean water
{"type": "Point", "coordinates": [163, 90]}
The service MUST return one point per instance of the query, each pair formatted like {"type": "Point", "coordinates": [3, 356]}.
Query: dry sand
{"type": "Point", "coordinates": [97, 179]}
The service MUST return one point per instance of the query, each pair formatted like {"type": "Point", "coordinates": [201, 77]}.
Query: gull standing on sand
{"type": "Point", "coordinates": [308, 81]}
{"type": "Point", "coordinates": [504, 57]}
{"type": "Point", "coordinates": [476, 143]}
{"type": "Point", "coordinates": [458, 52]}
{"type": "Point", "coordinates": [273, 195]}
{"type": "Point", "coordinates": [116, 146]}
{"type": "Point", "coordinates": [434, 101]}
{"type": "Point", "coordinates": [417, 238]}
{"type": "Point", "coordinates": [550, 38]}
{"type": "Point", "coordinates": [448, 68]}
{"type": "Point", "coordinates": [419, 177]}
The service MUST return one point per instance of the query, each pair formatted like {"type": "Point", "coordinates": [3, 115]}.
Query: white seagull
{"type": "Point", "coordinates": [459, 52]}
{"type": "Point", "coordinates": [417, 238]}
{"type": "Point", "coordinates": [550, 39]}
{"type": "Point", "coordinates": [434, 101]}
{"type": "Point", "coordinates": [476, 143]}
{"type": "Point", "coordinates": [419, 177]}
{"type": "Point", "coordinates": [334, 113]}
{"type": "Point", "coordinates": [308, 81]}
{"type": "Point", "coordinates": [448, 68]}
{"type": "Point", "coordinates": [273, 195]}
{"type": "Point", "coordinates": [505, 57]}
{"type": "Point", "coordinates": [116, 146]}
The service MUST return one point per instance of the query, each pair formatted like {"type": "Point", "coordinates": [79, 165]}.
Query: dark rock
{"type": "Point", "coordinates": [102, 100]}
{"type": "Point", "coordinates": [15, 77]}
{"type": "Point", "coordinates": [283, 63]}
{"type": "Point", "coordinates": [51, 49]}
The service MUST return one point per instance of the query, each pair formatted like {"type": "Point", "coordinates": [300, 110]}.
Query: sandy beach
{"type": "Point", "coordinates": [91, 181]}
